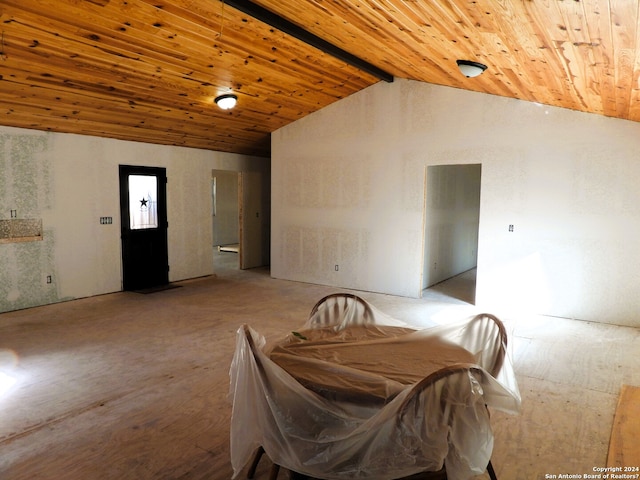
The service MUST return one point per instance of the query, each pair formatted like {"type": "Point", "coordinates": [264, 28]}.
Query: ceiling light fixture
{"type": "Point", "coordinates": [470, 69]}
{"type": "Point", "coordinates": [226, 101]}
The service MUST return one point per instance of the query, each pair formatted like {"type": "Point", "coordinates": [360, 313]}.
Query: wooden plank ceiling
{"type": "Point", "coordinates": [148, 70]}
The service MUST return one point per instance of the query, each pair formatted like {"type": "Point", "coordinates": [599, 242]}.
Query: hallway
{"type": "Point", "coordinates": [134, 386]}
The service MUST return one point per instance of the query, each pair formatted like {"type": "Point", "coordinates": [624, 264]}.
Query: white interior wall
{"type": "Point", "coordinates": [347, 188]}
{"type": "Point", "coordinates": [70, 181]}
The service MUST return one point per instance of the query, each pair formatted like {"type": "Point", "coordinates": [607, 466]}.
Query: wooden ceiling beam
{"type": "Point", "coordinates": [284, 25]}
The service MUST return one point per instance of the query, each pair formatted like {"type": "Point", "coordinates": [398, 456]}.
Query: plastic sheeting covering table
{"type": "Point", "coordinates": [341, 400]}
{"type": "Point", "coordinates": [373, 369]}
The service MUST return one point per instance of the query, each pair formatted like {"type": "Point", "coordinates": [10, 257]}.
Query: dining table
{"type": "Point", "coordinates": [354, 399]}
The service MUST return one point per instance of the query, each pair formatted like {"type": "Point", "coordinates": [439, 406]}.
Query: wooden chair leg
{"type": "Point", "coordinates": [492, 473]}
{"type": "Point", "coordinates": [273, 474]}
{"type": "Point", "coordinates": [254, 463]}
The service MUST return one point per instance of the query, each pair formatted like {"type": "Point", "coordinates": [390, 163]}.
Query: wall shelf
{"type": "Point", "coordinates": [20, 230]}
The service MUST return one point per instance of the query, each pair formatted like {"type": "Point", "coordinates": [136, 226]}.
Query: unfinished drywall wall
{"type": "Point", "coordinates": [565, 180]}
{"type": "Point", "coordinates": [347, 202]}
{"type": "Point", "coordinates": [70, 182]}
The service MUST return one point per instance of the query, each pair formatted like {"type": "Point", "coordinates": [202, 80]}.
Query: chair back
{"type": "Point", "coordinates": [440, 383]}
{"type": "Point", "coordinates": [340, 310]}
{"type": "Point", "coordinates": [449, 406]}
{"type": "Point", "coordinates": [486, 336]}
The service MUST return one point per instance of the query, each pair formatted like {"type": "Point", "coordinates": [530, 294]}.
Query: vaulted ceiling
{"type": "Point", "coordinates": [148, 70]}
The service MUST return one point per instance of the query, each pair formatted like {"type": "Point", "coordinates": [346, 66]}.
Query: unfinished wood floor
{"type": "Point", "coordinates": [132, 386]}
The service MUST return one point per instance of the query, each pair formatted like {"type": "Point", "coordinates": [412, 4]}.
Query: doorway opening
{"type": "Point", "coordinates": [225, 220]}
{"type": "Point", "coordinates": [452, 220]}
{"type": "Point", "coordinates": [239, 226]}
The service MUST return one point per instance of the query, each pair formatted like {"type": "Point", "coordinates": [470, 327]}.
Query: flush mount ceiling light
{"type": "Point", "coordinates": [226, 101]}
{"type": "Point", "coordinates": [470, 69]}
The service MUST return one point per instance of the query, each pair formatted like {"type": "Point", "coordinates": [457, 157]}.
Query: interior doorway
{"type": "Point", "coordinates": [237, 220]}
{"type": "Point", "coordinates": [225, 220]}
{"type": "Point", "coordinates": [143, 218]}
{"type": "Point", "coordinates": [452, 220]}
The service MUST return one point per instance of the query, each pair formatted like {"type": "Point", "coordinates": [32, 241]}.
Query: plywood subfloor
{"type": "Point", "coordinates": [128, 386]}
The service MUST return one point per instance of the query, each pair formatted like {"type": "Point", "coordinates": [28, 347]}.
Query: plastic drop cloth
{"type": "Point", "coordinates": [416, 427]}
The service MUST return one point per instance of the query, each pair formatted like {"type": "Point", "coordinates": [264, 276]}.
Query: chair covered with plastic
{"type": "Point", "coordinates": [438, 423]}
{"type": "Point", "coordinates": [342, 310]}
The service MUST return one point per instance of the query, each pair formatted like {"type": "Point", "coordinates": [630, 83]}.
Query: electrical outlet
{"type": "Point", "coordinates": [49, 279]}
{"type": "Point", "coordinates": [337, 268]}
{"type": "Point", "coordinates": [511, 228]}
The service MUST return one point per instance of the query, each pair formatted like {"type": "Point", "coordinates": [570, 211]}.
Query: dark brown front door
{"type": "Point", "coordinates": [143, 214]}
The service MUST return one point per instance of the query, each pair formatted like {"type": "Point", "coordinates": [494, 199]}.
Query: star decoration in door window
{"type": "Point", "coordinates": [143, 202]}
